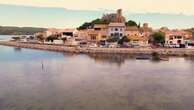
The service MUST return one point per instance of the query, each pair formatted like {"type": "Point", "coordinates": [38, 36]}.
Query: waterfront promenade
{"type": "Point", "coordinates": [60, 48]}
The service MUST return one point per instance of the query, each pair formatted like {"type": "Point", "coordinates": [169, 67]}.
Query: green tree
{"type": "Point", "coordinates": [193, 34]}
{"type": "Point", "coordinates": [123, 39]}
{"type": "Point", "coordinates": [87, 25]}
{"type": "Point", "coordinates": [131, 23]}
{"type": "Point", "coordinates": [51, 38]}
{"type": "Point", "coordinates": [99, 21]}
{"type": "Point", "coordinates": [158, 38]}
{"type": "Point", "coordinates": [139, 25]}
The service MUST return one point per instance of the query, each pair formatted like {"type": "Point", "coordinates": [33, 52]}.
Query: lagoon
{"type": "Point", "coordinates": [43, 80]}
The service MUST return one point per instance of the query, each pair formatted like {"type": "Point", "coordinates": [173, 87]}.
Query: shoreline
{"type": "Point", "coordinates": [61, 48]}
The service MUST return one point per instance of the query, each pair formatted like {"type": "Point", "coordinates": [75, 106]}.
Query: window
{"type": "Point", "coordinates": [93, 37]}
{"type": "Point", "coordinates": [179, 37]}
{"type": "Point", "coordinates": [116, 34]}
{"type": "Point", "coordinates": [112, 34]}
{"type": "Point", "coordinates": [171, 37]}
{"type": "Point", "coordinates": [116, 29]}
{"type": "Point", "coordinates": [103, 37]}
{"type": "Point", "coordinates": [121, 34]}
{"type": "Point", "coordinates": [121, 29]}
{"type": "Point", "coordinates": [179, 41]}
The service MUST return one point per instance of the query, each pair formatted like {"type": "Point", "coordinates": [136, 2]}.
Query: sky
{"type": "Point", "coordinates": [162, 6]}
{"type": "Point", "coordinates": [72, 13]}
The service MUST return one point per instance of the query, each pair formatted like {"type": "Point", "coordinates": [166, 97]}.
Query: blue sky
{"type": "Point", "coordinates": [63, 14]}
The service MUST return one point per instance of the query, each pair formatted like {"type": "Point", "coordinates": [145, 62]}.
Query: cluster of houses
{"type": "Point", "coordinates": [139, 35]}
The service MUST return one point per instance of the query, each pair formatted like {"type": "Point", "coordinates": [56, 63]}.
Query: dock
{"type": "Point", "coordinates": [62, 48]}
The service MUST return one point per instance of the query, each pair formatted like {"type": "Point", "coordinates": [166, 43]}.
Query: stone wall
{"type": "Point", "coordinates": [61, 48]}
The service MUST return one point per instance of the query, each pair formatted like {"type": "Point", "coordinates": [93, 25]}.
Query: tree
{"type": "Point", "coordinates": [193, 35]}
{"type": "Point", "coordinates": [112, 39]}
{"type": "Point", "coordinates": [139, 25]}
{"type": "Point", "coordinates": [40, 37]}
{"type": "Point", "coordinates": [158, 38]}
{"type": "Point", "coordinates": [87, 25]}
{"type": "Point", "coordinates": [51, 38]}
{"type": "Point", "coordinates": [123, 39]}
{"type": "Point", "coordinates": [100, 21]}
{"type": "Point", "coordinates": [131, 23]}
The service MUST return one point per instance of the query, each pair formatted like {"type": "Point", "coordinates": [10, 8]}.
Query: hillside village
{"type": "Point", "coordinates": [113, 30]}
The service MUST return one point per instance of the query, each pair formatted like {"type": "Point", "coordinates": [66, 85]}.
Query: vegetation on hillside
{"type": "Point", "coordinates": [87, 25]}
{"type": "Point", "coordinates": [91, 24]}
{"type": "Point", "coordinates": [131, 23]}
{"type": "Point", "coordinates": [8, 30]}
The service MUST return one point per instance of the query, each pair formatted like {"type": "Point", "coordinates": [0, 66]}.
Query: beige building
{"type": "Point", "coordinates": [96, 35]}
{"type": "Point", "coordinates": [138, 40]}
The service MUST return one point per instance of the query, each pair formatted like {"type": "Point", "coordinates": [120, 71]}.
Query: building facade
{"type": "Point", "coordinates": [174, 38]}
{"type": "Point", "coordinates": [116, 30]}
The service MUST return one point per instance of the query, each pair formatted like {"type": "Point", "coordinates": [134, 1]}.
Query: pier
{"type": "Point", "coordinates": [62, 48]}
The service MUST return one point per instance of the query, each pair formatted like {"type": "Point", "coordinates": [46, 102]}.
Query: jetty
{"type": "Point", "coordinates": [62, 48]}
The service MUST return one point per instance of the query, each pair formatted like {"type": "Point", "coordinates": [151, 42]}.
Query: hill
{"type": "Point", "coordinates": [9, 30]}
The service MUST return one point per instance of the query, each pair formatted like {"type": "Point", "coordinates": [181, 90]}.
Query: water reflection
{"type": "Point", "coordinates": [42, 80]}
{"type": "Point", "coordinates": [17, 49]}
{"type": "Point", "coordinates": [118, 59]}
{"type": "Point", "coordinates": [189, 58]}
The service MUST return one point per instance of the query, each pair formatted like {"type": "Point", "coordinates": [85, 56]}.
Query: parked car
{"type": "Point", "coordinates": [190, 46]}
{"type": "Point", "coordinates": [93, 45]}
{"type": "Point", "coordinates": [113, 45]}
{"type": "Point", "coordinates": [172, 46]}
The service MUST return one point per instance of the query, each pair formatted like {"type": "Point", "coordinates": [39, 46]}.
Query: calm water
{"type": "Point", "coordinates": [8, 37]}
{"type": "Point", "coordinates": [41, 80]}
{"type": "Point", "coordinates": [4, 37]}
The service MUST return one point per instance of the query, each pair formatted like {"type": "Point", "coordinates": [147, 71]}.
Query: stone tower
{"type": "Point", "coordinates": [115, 17]}
{"type": "Point", "coordinates": [120, 18]}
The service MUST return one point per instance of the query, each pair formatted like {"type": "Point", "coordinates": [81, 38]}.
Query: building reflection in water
{"type": "Point", "coordinates": [118, 59]}
{"type": "Point", "coordinates": [17, 49]}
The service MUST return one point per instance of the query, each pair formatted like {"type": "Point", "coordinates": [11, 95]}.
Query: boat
{"type": "Point", "coordinates": [164, 58]}
{"type": "Point", "coordinates": [143, 57]}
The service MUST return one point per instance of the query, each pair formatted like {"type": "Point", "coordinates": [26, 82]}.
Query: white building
{"type": "Point", "coordinates": [174, 38]}
{"type": "Point", "coordinates": [116, 29]}
{"type": "Point", "coordinates": [51, 31]}
{"type": "Point", "coordinates": [69, 33]}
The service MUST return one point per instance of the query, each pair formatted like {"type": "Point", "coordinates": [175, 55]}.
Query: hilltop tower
{"type": "Point", "coordinates": [115, 17]}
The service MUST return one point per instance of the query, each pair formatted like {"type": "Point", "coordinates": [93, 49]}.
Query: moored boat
{"type": "Point", "coordinates": [143, 57]}
{"type": "Point", "coordinates": [164, 58]}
